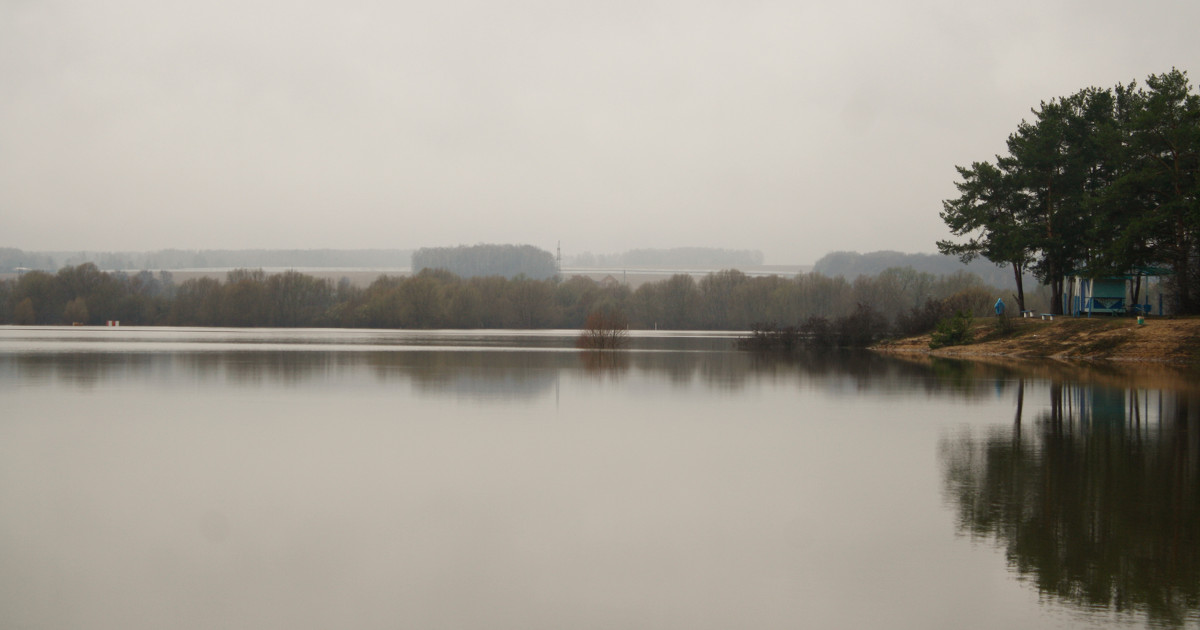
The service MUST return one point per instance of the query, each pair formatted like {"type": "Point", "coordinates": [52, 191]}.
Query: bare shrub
{"type": "Point", "coordinates": [862, 327]}
{"type": "Point", "coordinates": [975, 301]}
{"type": "Point", "coordinates": [603, 331]}
{"type": "Point", "coordinates": [922, 319]}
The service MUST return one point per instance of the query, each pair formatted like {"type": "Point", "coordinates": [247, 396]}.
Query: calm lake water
{"type": "Point", "coordinates": [201, 478]}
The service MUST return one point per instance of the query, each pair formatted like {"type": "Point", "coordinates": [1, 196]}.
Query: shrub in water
{"type": "Point", "coordinates": [603, 331]}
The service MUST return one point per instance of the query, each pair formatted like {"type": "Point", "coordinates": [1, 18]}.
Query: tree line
{"type": "Point", "coordinates": [724, 300]}
{"type": "Point", "coordinates": [1102, 182]}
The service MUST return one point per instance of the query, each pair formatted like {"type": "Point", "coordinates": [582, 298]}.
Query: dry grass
{"type": "Point", "coordinates": [1118, 339]}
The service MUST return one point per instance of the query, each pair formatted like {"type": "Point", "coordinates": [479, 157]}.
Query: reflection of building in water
{"type": "Point", "coordinates": [1096, 499]}
{"type": "Point", "coordinates": [1117, 407]}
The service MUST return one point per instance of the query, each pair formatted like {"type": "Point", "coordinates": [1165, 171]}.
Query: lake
{"type": "Point", "coordinates": [238, 478]}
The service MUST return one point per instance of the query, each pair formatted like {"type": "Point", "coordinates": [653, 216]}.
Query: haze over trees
{"type": "Point", "coordinates": [678, 257]}
{"type": "Point", "coordinates": [853, 264]}
{"type": "Point", "coordinates": [174, 259]}
{"type": "Point", "coordinates": [1101, 182]}
{"type": "Point", "coordinates": [470, 261]}
{"type": "Point", "coordinates": [12, 259]}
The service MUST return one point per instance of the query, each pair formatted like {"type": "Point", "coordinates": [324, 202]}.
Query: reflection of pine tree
{"type": "Point", "coordinates": [1096, 513]}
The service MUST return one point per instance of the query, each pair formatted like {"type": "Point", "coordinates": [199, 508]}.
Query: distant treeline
{"type": "Point", "coordinates": [853, 264]}
{"type": "Point", "coordinates": [467, 258]}
{"type": "Point", "coordinates": [724, 300]}
{"type": "Point", "coordinates": [12, 259]}
{"type": "Point", "coordinates": [471, 261]}
{"type": "Point", "coordinates": [679, 258]}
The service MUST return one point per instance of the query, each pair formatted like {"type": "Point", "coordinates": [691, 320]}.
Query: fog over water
{"type": "Point", "coordinates": [202, 479]}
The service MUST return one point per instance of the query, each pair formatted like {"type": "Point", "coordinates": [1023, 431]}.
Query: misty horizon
{"type": "Point", "coordinates": [792, 129]}
{"type": "Point", "coordinates": [667, 258]}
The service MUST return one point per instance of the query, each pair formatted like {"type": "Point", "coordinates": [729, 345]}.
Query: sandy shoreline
{"type": "Point", "coordinates": [1158, 340]}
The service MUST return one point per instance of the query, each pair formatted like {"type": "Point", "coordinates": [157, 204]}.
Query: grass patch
{"type": "Point", "coordinates": [1192, 347]}
{"type": "Point", "coordinates": [1104, 346]}
{"type": "Point", "coordinates": [1000, 328]}
{"type": "Point", "coordinates": [1082, 337]}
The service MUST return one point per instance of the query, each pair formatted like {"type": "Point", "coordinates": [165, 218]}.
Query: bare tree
{"type": "Point", "coordinates": [603, 331]}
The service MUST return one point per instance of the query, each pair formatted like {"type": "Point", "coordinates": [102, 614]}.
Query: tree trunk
{"type": "Point", "coordinates": [1182, 283]}
{"type": "Point", "coordinates": [1020, 408]}
{"type": "Point", "coordinates": [1056, 295]}
{"type": "Point", "coordinates": [1020, 286]}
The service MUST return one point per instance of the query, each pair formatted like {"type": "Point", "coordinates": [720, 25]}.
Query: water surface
{"type": "Point", "coordinates": [203, 478]}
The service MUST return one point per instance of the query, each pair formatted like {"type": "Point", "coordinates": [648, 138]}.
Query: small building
{"type": "Point", "coordinates": [1098, 295]}
{"type": "Point", "coordinates": [1112, 295]}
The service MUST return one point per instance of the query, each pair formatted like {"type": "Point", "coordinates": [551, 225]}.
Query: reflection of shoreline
{"type": "Point", "coordinates": [1116, 374]}
{"type": "Point", "coordinates": [1096, 500]}
{"type": "Point", "coordinates": [530, 372]}
{"type": "Point", "coordinates": [499, 372]}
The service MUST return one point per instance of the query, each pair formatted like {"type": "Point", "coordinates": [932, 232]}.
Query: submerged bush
{"type": "Point", "coordinates": [603, 331]}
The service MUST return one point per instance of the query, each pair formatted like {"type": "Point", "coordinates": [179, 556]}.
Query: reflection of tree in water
{"type": "Point", "coordinates": [487, 374]}
{"type": "Point", "coordinates": [502, 372]}
{"type": "Point", "coordinates": [604, 362]}
{"type": "Point", "coordinates": [866, 371]}
{"type": "Point", "coordinates": [254, 368]}
{"type": "Point", "coordinates": [515, 373]}
{"type": "Point", "coordinates": [1098, 503]}
{"type": "Point", "coordinates": [82, 370]}
{"type": "Point", "coordinates": [251, 368]}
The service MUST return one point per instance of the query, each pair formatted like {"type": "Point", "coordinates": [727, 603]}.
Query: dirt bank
{"type": "Point", "coordinates": [1115, 339]}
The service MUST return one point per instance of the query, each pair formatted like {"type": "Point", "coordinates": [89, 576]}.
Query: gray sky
{"type": "Point", "coordinates": [796, 128]}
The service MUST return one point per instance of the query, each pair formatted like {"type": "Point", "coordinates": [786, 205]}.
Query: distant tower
{"type": "Point", "coordinates": [558, 257]}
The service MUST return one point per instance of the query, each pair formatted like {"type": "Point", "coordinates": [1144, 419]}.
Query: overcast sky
{"type": "Point", "coordinates": [795, 128]}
